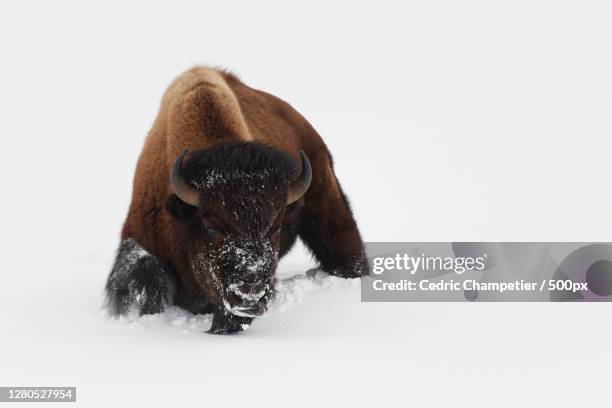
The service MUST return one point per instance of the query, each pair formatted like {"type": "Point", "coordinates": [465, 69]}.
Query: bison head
{"type": "Point", "coordinates": [234, 197]}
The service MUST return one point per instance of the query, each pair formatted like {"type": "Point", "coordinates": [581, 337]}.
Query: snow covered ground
{"type": "Point", "coordinates": [473, 121]}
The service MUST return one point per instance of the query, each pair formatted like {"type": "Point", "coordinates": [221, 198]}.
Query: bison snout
{"type": "Point", "coordinates": [248, 309]}
{"type": "Point", "coordinates": [245, 303]}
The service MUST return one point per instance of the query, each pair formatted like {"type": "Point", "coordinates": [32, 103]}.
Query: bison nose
{"type": "Point", "coordinates": [253, 308]}
{"type": "Point", "coordinates": [248, 306]}
{"type": "Point", "coordinates": [249, 303]}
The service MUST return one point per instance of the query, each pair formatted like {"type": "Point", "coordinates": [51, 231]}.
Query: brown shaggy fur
{"type": "Point", "coordinates": [205, 107]}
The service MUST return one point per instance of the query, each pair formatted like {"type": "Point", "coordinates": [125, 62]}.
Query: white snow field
{"type": "Point", "coordinates": [466, 121]}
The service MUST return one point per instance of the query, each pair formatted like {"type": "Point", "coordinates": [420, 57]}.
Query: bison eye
{"type": "Point", "coordinates": [212, 229]}
{"type": "Point", "coordinates": [213, 233]}
{"type": "Point", "coordinates": [275, 231]}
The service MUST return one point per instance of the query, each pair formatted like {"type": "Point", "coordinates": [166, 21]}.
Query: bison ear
{"type": "Point", "coordinates": [180, 209]}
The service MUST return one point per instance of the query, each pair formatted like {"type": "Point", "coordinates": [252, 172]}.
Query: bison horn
{"type": "Point", "coordinates": [300, 185]}
{"type": "Point", "coordinates": [181, 188]}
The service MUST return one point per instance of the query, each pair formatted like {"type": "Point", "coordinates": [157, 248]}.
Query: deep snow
{"type": "Point", "coordinates": [448, 121]}
{"type": "Point", "coordinates": [318, 343]}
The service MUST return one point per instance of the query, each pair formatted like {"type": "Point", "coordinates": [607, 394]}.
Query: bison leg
{"type": "Point", "coordinates": [330, 231]}
{"type": "Point", "coordinates": [138, 282]}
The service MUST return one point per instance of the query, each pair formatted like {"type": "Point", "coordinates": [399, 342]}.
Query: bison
{"type": "Point", "coordinates": [227, 179]}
